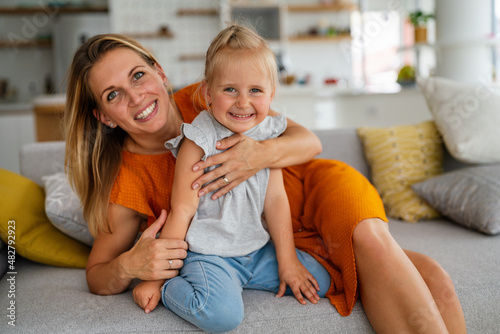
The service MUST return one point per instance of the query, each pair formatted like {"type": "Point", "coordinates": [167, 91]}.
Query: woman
{"type": "Point", "coordinates": [119, 114]}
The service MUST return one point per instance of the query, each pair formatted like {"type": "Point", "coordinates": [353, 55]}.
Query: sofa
{"type": "Point", "coordinates": [55, 299]}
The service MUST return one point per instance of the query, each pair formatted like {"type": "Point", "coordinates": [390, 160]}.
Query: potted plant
{"type": "Point", "coordinates": [419, 20]}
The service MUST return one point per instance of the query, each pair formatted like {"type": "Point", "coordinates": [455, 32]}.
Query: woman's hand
{"type": "Point", "coordinates": [243, 158]}
{"type": "Point", "coordinates": [154, 259]}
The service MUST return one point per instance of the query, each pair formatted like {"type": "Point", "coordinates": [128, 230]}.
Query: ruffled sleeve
{"type": "Point", "coordinates": [201, 131]}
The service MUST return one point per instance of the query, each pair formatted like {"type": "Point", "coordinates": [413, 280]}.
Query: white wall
{"type": "Point", "coordinates": [327, 108]}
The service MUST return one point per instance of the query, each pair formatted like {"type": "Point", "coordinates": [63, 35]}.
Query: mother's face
{"type": "Point", "coordinates": [130, 93]}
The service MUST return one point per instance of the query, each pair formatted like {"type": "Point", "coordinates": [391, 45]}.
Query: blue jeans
{"type": "Point", "coordinates": [207, 292]}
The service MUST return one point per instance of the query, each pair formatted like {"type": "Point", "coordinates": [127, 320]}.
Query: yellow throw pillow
{"type": "Point", "coordinates": [25, 226]}
{"type": "Point", "coordinates": [400, 156]}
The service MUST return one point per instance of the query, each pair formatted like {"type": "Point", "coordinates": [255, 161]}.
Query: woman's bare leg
{"type": "Point", "coordinates": [395, 297]}
{"type": "Point", "coordinates": [441, 287]}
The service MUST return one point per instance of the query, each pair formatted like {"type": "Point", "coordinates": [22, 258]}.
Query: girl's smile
{"type": "Point", "coordinates": [241, 94]}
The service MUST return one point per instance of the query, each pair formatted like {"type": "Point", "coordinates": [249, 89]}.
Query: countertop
{"type": "Point", "coordinates": [24, 106]}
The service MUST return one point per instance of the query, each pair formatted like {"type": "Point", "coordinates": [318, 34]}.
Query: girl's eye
{"type": "Point", "coordinates": [254, 90]}
{"type": "Point", "coordinates": [230, 90]}
{"type": "Point", "coordinates": [112, 95]}
{"type": "Point", "coordinates": [138, 75]}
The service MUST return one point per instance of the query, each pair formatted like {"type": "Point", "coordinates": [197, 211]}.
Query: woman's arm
{"type": "Point", "coordinates": [245, 157]}
{"type": "Point", "coordinates": [113, 262]}
{"type": "Point", "coordinates": [279, 221]}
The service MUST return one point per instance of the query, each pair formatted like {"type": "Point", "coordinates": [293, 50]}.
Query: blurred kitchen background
{"type": "Point", "coordinates": [342, 62]}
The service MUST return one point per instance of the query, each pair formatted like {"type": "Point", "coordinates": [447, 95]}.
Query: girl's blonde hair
{"type": "Point", "coordinates": [230, 43]}
{"type": "Point", "coordinates": [93, 150]}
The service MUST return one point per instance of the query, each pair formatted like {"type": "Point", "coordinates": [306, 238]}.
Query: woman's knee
{"type": "Point", "coordinates": [434, 275]}
{"type": "Point", "coordinates": [372, 240]}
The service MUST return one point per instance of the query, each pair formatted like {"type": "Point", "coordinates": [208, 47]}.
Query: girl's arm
{"type": "Point", "coordinates": [245, 157]}
{"type": "Point", "coordinates": [279, 221]}
{"type": "Point", "coordinates": [184, 202]}
{"type": "Point", "coordinates": [113, 262]}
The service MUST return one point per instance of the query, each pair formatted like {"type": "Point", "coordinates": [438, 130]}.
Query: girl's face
{"type": "Point", "coordinates": [130, 93]}
{"type": "Point", "coordinates": [240, 94]}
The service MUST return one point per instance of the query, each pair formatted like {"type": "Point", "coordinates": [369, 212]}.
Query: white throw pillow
{"type": "Point", "coordinates": [467, 116]}
{"type": "Point", "coordinates": [64, 209]}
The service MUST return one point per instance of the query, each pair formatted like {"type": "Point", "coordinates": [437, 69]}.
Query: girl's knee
{"type": "Point", "coordinates": [221, 319]}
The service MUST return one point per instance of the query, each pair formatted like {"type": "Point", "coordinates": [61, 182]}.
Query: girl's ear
{"type": "Point", "coordinates": [273, 92]}
{"type": "Point", "coordinates": [205, 90]}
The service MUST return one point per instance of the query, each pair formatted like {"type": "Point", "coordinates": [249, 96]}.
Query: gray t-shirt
{"type": "Point", "coordinates": [231, 225]}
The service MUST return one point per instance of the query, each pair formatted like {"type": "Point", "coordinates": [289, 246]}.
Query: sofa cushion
{"type": "Point", "coordinates": [64, 209]}
{"type": "Point", "coordinates": [400, 156]}
{"type": "Point", "coordinates": [24, 223]}
{"type": "Point", "coordinates": [467, 117]}
{"type": "Point", "coordinates": [469, 196]}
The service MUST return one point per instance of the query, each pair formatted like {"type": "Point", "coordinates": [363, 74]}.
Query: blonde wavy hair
{"type": "Point", "coordinates": [231, 43]}
{"type": "Point", "coordinates": [93, 151]}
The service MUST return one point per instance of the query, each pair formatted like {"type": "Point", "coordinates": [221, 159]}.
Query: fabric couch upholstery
{"type": "Point", "coordinates": [56, 300]}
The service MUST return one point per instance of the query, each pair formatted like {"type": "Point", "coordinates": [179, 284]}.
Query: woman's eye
{"type": "Point", "coordinates": [138, 75]}
{"type": "Point", "coordinates": [112, 95]}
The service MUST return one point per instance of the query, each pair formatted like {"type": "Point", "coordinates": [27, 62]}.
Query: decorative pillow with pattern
{"type": "Point", "coordinates": [400, 156]}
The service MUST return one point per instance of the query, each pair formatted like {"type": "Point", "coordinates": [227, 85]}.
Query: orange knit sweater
{"type": "Point", "coordinates": [327, 199]}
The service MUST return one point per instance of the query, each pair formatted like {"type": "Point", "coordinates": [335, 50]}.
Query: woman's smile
{"type": "Point", "coordinates": [145, 113]}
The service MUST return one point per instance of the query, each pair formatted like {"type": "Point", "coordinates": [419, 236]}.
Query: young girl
{"type": "Point", "coordinates": [228, 236]}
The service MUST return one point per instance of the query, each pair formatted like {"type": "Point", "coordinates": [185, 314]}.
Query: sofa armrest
{"type": "Point", "coordinates": [40, 159]}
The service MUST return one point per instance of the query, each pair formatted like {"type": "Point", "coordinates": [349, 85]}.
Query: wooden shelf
{"type": "Point", "coordinates": [192, 57]}
{"type": "Point", "coordinates": [61, 9]}
{"type": "Point", "coordinates": [198, 12]}
{"type": "Point", "coordinates": [309, 38]}
{"type": "Point", "coordinates": [322, 8]}
{"type": "Point", "coordinates": [28, 44]}
{"type": "Point", "coordinates": [149, 35]}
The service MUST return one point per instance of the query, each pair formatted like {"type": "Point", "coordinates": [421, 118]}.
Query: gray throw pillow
{"type": "Point", "coordinates": [64, 209]}
{"type": "Point", "coordinates": [469, 196]}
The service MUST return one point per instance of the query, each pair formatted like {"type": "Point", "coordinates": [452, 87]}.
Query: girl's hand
{"type": "Point", "coordinates": [244, 157]}
{"type": "Point", "coordinates": [300, 281]}
{"type": "Point", "coordinates": [154, 259]}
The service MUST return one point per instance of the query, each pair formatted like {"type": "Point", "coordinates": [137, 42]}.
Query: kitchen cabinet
{"type": "Point", "coordinates": [49, 112]}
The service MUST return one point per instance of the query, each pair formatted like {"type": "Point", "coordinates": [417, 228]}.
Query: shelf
{"type": "Point", "coordinates": [192, 57]}
{"type": "Point", "coordinates": [254, 5]}
{"type": "Point", "coordinates": [149, 35]}
{"type": "Point", "coordinates": [53, 10]}
{"type": "Point", "coordinates": [28, 44]}
{"type": "Point", "coordinates": [416, 47]}
{"type": "Point", "coordinates": [198, 12]}
{"type": "Point", "coordinates": [308, 38]}
{"type": "Point", "coordinates": [336, 7]}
